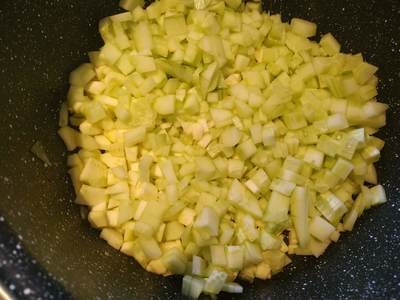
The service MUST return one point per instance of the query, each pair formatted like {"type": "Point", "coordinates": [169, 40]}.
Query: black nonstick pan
{"type": "Point", "coordinates": [47, 251]}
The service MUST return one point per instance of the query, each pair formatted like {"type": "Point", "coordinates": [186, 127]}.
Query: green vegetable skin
{"type": "Point", "coordinates": [206, 132]}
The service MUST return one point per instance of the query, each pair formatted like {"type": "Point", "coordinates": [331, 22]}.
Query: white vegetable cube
{"type": "Point", "coordinates": [207, 221]}
{"type": "Point", "coordinates": [205, 140]}
{"type": "Point", "coordinates": [82, 75]}
{"type": "Point", "coordinates": [299, 210]}
{"type": "Point", "coordinates": [205, 168]}
{"type": "Point", "coordinates": [134, 136]}
{"type": "Point", "coordinates": [110, 54]}
{"type": "Point", "coordinates": [371, 154]}
{"type": "Point", "coordinates": [330, 147]}
{"type": "Point", "coordinates": [173, 231]}
{"type": "Point", "coordinates": [143, 38]}
{"type": "Point", "coordinates": [208, 78]}
{"type": "Point", "coordinates": [198, 266]}
{"type": "Point", "coordinates": [221, 117]}
{"type": "Point", "coordinates": [98, 219]}
{"type": "Point", "coordinates": [124, 64]}
{"type": "Point", "coordinates": [252, 254]}
{"type": "Point", "coordinates": [232, 287]}
{"type": "Point", "coordinates": [131, 154]}
{"type": "Point", "coordinates": [130, 4]}
{"type": "Point", "coordinates": [94, 112]}
{"type": "Point", "coordinates": [314, 157]}
{"type": "Point", "coordinates": [145, 164]}
{"type": "Point", "coordinates": [143, 229]}
{"type": "Point", "coordinates": [144, 64]}
{"type": "Point", "coordinates": [192, 105]}
{"type": "Point", "coordinates": [150, 248]}
{"type": "Point", "coordinates": [129, 233]}
{"type": "Point", "coordinates": [236, 192]}
{"type": "Point", "coordinates": [303, 28]}
{"type": "Point", "coordinates": [175, 261]}
{"type": "Point", "coordinates": [156, 266]}
{"type": "Point", "coordinates": [277, 209]}
{"type": "Point", "coordinates": [186, 217]}
{"type": "Point", "coordinates": [263, 271]}
{"type": "Point", "coordinates": [268, 241]}
{"type": "Point", "coordinates": [241, 62]}
{"type": "Point", "coordinates": [235, 257]}
{"type": "Point", "coordinates": [348, 223]}
{"type": "Point", "coordinates": [120, 187]}
{"type": "Point", "coordinates": [215, 282]}
{"type": "Point", "coordinates": [218, 257]}
{"type": "Point", "coordinates": [330, 44]}
{"type": "Point", "coordinates": [191, 55]}
{"type": "Point", "coordinates": [258, 181]}
{"type": "Point", "coordinates": [141, 205]}
{"type": "Point", "coordinates": [175, 25]}
{"type": "Point", "coordinates": [249, 227]}
{"type": "Point", "coordinates": [252, 186]}
{"type": "Point", "coordinates": [226, 234]}
{"type": "Point", "coordinates": [160, 233]}
{"type": "Point", "coordinates": [112, 237]}
{"type": "Point", "coordinates": [363, 72]}
{"type": "Point", "coordinates": [112, 161]}
{"type": "Point", "coordinates": [92, 196]}
{"type": "Point", "coordinates": [152, 213]}
{"type": "Point", "coordinates": [235, 168]}
{"type": "Point", "coordinates": [230, 136]}
{"type": "Point", "coordinates": [268, 136]}
{"type": "Point", "coordinates": [321, 229]}
{"type": "Point", "coordinates": [282, 186]}
{"type": "Point", "coordinates": [126, 211]}
{"type": "Point", "coordinates": [243, 110]}
{"type": "Point", "coordinates": [331, 207]}
{"type": "Point", "coordinates": [192, 287]}
{"type": "Point", "coordinates": [246, 149]}
{"type": "Point", "coordinates": [240, 91]}
{"type": "Point", "coordinates": [256, 132]}
{"type": "Point", "coordinates": [132, 248]}
{"type": "Point", "coordinates": [94, 173]}
{"type": "Point", "coordinates": [342, 168]}
{"type": "Point", "coordinates": [371, 175]}
{"type": "Point", "coordinates": [213, 97]}
{"type": "Point", "coordinates": [112, 216]}
{"type": "Point", "coordinates": [336, 122]}
{"type": "Point", "coordinates": [295, 120]}
{"type": "Point", "coordinates": [171, 193]}
{"type": "Point", "coordinates": [375, 195]}
{"type": "Point", "coordinates": [292, 164]}
{"type": "Point", "coordinates": [165, 105]}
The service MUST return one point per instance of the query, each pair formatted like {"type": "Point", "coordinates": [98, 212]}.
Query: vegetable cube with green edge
{"type": "Point", "coordinates": [299, 208]}
{"type": "Point", "coordinates": [331, 207]}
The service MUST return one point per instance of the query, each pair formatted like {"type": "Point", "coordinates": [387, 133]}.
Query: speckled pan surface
{"type": "Point", "coordinates": [48, 252]}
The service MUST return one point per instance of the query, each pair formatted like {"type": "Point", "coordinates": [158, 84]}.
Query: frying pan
{"type": "Point", "coordinates": [47, 251]}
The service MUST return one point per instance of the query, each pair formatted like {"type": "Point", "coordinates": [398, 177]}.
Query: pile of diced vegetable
{"type": "Point", "coordinates": [212, 140]}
